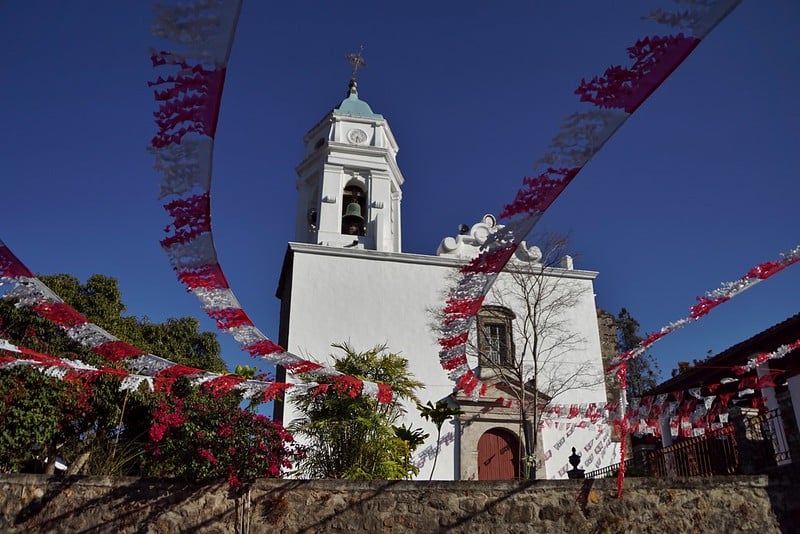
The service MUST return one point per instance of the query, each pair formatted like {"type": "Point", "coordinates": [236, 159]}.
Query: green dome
{"type": "Point", "coordinates": [355, 107]}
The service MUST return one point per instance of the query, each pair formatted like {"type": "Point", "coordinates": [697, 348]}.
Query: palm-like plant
{"type": "Point", "coordinates": [438, 414]}
{"type": "Point", "coordinates": [353, 438]}
{"type": "Point", "coordinates": [413, 438]}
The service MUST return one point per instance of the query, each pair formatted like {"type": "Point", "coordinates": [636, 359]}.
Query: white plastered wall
{"type": "Point", "coordinates": [368, 298]}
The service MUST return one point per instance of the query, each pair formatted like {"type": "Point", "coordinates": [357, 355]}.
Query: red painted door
{"type": "Point", "coordinates": [498, 456]}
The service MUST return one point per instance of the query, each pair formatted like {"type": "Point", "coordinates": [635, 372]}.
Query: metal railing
{"type": "Point", "coordinates": [610, 470]}
{"type": "Point", "coordinates": [714, 453]}
{"type": "Point", "coordinates": [748, 445]}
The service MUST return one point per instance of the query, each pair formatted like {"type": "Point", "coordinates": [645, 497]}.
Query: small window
{"type": "Point", "coordinates": [495, 336]}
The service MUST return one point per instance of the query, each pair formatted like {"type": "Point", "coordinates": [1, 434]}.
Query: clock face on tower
{"type": "Point", "coordinates": [356, 136]}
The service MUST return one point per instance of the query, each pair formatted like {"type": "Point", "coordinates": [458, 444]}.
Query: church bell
{"type": "Point", "coordinates": [352, 220]}
{"type": "Point", "coordinates": [353, 213]}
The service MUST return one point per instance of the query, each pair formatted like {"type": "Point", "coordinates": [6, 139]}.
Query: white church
{"type": "Point", "coordinates": [347, 253]}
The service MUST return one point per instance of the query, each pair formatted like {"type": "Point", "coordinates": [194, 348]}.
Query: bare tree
{"type": "Point", "coordinates": [542, 367]}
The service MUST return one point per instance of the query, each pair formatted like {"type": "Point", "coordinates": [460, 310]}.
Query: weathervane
{"type": "Point", "coordinates": [357, 60]}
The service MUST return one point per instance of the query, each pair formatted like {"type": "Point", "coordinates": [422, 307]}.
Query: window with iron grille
{"type": "Point", "coordinates": [495, 336]}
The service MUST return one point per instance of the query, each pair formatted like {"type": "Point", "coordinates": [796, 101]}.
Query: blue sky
{"type": "Point", "coordinates": [698, 186]}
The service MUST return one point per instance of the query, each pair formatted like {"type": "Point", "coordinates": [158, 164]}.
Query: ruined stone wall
{"type": "Point", "coordinates": [37, 503]}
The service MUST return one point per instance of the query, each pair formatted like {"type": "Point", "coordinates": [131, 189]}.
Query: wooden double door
{"type": "Point", "coordinates": [498, 455]}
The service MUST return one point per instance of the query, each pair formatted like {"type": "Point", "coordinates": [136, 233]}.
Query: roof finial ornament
{"type": "Point", "coordinates": [357, 60]}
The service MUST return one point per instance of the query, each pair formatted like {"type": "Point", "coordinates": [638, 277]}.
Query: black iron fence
{"type": "Point", "coordinates": [749, 444]}
{"type": "Point", "coordinates": [612, 470]}
{"type": "Point", "coordinates": [714, 453]}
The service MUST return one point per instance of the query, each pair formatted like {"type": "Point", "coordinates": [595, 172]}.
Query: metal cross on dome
{"type": "Point", "coordinates": [357, 60]}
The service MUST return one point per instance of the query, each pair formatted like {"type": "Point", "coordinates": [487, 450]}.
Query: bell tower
{"type": "Point", "coordinates": [348, 182]}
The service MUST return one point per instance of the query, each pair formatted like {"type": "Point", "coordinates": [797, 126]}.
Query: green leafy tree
{"type": "Point", "coordinates": [97, 429]}
{"type": "Point", "coordinates": [438, 415]}
{"type": "Point", "coordinates": [100, 301]}
{"type": "Point", "coordinates": [31, 416]}
{"type": "Point", "coordinates": [353, 437]}
{"type": "Point", "coordinates": [643, 371]}
{"type": "Point", "coordinates": [42, 417]}
{"type": "Point", "coordinates": [178, 339]}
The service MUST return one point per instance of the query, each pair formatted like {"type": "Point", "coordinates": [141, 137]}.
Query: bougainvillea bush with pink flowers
{"type": "Point", "coordinates": [198, 433]}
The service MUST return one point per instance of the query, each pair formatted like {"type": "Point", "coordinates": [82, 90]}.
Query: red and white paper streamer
{"type": "Point", "coordinates": [29, 291]}
{"type": "Point", "coordinates": [706, 303]}
{"type": "Point", "coordinates": [711, 300]}
{"type": "Point", "coordinates": [189, 101]}
{"type": "Point", "coordinates": [64, 368]}
{"type": "Point", "coordinates": [613, 97]}
{"type": "Point", "coordinates": [764, 357]}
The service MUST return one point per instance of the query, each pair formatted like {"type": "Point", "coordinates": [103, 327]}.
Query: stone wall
{"type": "Point", "coordinates": [607, 327]}
{"type": "Point", "coordinates": [37, 503]}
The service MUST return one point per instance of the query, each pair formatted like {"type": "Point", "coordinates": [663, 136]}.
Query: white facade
{"type": "Point", "coordinates": [364, 291]}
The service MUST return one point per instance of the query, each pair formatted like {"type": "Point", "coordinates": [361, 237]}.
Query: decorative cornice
{"type": "Point", "coordinates": [419, 259]}
{"type": "Point", "coordinates": [334, 149]}
{"type": "Point", "coordinates": [467, 244]}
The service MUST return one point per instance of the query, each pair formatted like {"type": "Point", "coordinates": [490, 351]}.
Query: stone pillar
{"type": "Point", "coordinates": [792, 436]}
{"type": "Point", "coordinates": [790, 407]}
